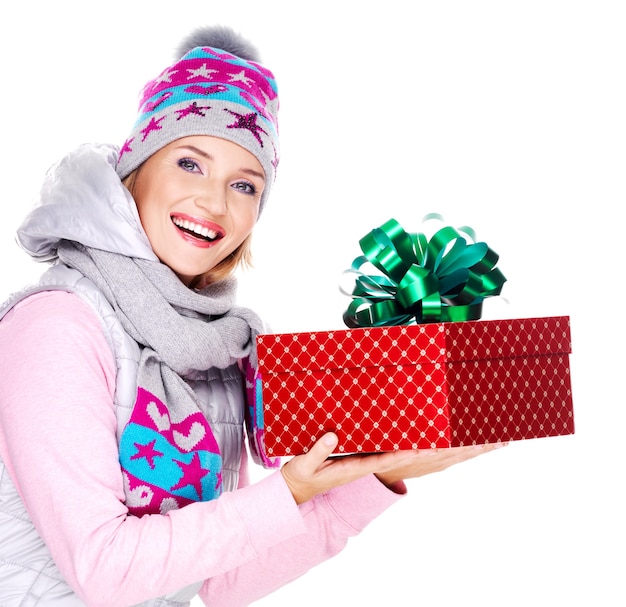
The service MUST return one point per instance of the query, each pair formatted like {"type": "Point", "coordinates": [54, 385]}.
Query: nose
{"type": "Point", "coordinates": [211, 199]}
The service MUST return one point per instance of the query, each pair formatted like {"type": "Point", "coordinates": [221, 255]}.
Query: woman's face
{"type": "Point", "coordinates": [198, 199]}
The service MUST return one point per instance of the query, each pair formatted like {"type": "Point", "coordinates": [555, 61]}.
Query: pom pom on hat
{"type": "Point", "coordinates": [216, 88]}
{"type": "Point", "coordinates": [219, 36]}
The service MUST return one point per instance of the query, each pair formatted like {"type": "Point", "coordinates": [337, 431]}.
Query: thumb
{"type": "Point", "coordinates": [300, 473]}
{"type": "Point", "coordinates": [321, 450]}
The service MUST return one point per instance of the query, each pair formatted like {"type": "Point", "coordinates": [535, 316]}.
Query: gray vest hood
{"type": "Point", "coordinates": [82, 199]}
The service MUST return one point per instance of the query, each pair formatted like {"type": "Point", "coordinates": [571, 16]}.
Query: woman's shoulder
{"type": "Point", "coordinates": [56, 305]}
{"type": "Point", "coordinates": [57, 321]}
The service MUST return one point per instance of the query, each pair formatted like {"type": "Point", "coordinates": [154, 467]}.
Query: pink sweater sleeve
{"type": "Point", "coordinates": [57, 440]}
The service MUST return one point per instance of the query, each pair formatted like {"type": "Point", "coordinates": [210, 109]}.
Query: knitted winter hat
{"type": "Point", "coordinates": [217, 88]}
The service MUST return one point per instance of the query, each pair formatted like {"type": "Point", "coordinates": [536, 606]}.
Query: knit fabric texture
{"type": "Point", "coordinates": [208, 92]}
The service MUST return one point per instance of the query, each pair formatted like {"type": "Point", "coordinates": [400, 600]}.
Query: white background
{"type": "Point", "coordinates": [505, 116]}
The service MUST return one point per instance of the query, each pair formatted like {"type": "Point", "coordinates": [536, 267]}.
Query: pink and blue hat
{"type": "Point", "coordinates": [217, 88]}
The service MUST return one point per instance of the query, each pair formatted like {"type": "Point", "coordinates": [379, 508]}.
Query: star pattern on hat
{"type": "Point", "coordinates": [193, 473]}
{"type": "Point", "coordinates": [166, 76]}
{"type": "Point", "coordinates": [153, 125]}
{"type": "Point", "coordinates": [241, 77]}
{"type": "Point", "coordinates": [275, 160]}
{"type": "Point", "coordinates": [201, 72]}
{"type": "Point", "coordinates": [153, 105]}
{"type": "Point", "coordinates": [192, 108]}
{"type": "Point", "coordinates": [148, 451]}
{"type": "Point", "coordinates": [270, 107]}
{"type": "Point", "coordinates": [126, 147]}
{"type": "Point", "coordinates": [248, 122]}
{"type": "Point", "coordinates": [261, 108]}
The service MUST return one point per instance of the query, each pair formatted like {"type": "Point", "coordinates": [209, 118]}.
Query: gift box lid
{"type": "Point", "coordinates": [402, 345]}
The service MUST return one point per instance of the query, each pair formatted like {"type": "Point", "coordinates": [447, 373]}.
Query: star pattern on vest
{"type": "Point", "coordinates": [148, 451]}
{"type": "Point", "coordinates": [193, 473]}
{"type": "Point", "coordinates": [248, 122]}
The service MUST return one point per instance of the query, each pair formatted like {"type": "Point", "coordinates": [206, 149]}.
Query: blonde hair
{"type": "Point", "coordinates": [241, 256]}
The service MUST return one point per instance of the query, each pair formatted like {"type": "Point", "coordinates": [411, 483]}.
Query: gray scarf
{"type": "Point", "coordinates": [180, 330]}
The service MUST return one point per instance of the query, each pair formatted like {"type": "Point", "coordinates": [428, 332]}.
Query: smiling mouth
{"type": "Point", "coordinates": [196, 230]}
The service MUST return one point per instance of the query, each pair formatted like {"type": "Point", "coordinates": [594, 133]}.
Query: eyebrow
{"type": "Point", "coordinates": [193, 148]}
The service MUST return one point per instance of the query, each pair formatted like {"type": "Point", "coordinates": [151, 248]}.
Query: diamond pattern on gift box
{"type": "Point", "coordinates": [424, 386]}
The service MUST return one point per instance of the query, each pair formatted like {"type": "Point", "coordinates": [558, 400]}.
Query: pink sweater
{"type": "Point", "coordinates": [57, 440]}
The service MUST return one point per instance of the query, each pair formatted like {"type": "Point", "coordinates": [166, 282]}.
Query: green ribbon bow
{"type": "Point", "coordinates": [440, 279]}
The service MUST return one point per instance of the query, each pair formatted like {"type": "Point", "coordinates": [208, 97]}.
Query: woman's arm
{"type": "Point", "coordinates": [330, 519]}
{"type": "Point", "coordinates": [57, 439]}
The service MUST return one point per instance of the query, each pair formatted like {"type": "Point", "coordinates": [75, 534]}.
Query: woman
{"type": "Point", "coordinates": [127, 375]}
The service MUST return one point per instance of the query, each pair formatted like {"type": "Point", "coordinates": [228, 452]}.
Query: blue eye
{"type": "Point", "coordinates": [188, 165]}
{"type": "Point", "coordinates": [245, 187]}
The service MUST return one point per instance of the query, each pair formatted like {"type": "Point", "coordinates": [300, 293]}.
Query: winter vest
{"type": "Point", "coordinates": [24, 558]}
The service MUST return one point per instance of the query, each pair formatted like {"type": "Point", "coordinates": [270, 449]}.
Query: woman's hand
{"type": "Point", "coordinates": [313, 473]}
{"type": "Point", "coordinates": [427, 461]}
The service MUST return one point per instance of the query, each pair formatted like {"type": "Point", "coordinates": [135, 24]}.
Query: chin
{"type": "Point", "coordinates": [187, 278]}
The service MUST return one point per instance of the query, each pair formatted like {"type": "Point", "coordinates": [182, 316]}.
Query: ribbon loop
{"type": "Point", "coordinates": [444, 278]}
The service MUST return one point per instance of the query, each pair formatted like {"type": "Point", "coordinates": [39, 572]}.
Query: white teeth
{"type": "Point", "coordinates": [196, 229]}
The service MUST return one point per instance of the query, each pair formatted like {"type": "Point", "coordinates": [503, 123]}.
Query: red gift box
{"type": "Point", "coordinates": [417, 387]}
